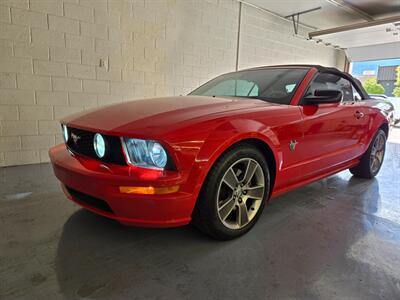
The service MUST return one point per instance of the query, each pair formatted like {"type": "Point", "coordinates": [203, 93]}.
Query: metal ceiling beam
{"type": "Point", "coordinates": [303, 12]}
{"type": "Point", "coordinates": [296, 17]}
{"type": "Point", "coordinates": [274, 14]}
{"type": "Point", "coordinates": [393, 19]}
{"type": "Point", "coordinates": [351, 9]}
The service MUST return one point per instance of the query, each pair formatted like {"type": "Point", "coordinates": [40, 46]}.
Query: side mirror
{"type": "Point", "coordinates": [324, 96]}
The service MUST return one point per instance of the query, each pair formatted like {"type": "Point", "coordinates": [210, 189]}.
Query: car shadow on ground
{"type": "Point", "coordinates": [95, 252]}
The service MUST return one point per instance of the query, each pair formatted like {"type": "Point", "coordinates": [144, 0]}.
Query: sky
{"type": "Point", "coordinates": [358, 68]}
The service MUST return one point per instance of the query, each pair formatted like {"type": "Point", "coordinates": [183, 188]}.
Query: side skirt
{"type": "Point", "coordinates": [306, 181]}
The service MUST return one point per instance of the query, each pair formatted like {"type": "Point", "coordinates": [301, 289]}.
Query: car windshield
{"type": "Point", "coordinates": [275, 85]}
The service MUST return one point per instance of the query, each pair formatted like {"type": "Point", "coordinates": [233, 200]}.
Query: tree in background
{"type": "Point", "coordinates": [396, 91]}
{"type": "Point", "coordinates": [373, 87]}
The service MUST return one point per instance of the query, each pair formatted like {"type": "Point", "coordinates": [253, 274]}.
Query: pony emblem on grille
{"type": "Point", "coordinates": [75, 138]}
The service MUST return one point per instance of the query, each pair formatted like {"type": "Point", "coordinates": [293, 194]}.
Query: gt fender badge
{"type": "Point", "coordinates": [292, 145]}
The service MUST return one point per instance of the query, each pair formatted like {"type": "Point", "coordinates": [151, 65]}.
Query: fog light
{"type": "Point", "coordinates": [148, 190]}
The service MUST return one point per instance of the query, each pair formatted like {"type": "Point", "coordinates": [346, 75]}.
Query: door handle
{"type": "Point", "coordinates": [358, 114]}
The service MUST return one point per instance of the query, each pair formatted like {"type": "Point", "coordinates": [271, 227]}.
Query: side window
{"type": "Point", "coordinates": [327, 81]}
{"type": "Point", "coordinates": [346, 88]}
{"type": "Point", "coordinates": [234, 88]}
{"type": "Point", "coordinates": [282, 89]}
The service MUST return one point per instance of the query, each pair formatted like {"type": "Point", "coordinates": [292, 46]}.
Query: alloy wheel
{"type": "Point", "coordinates": [240, 193]}
{"type": "Point", "coordinates": [377, 153]}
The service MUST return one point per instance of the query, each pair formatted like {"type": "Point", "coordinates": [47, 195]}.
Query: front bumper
{"type": "Point", "coordinates": [84, 178]}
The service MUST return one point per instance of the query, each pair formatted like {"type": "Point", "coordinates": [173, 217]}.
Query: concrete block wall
{"type": "Point", "coordinates": [58, 57]}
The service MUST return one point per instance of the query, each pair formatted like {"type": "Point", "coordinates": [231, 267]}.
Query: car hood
{"type": "Point", "coordinates": [159, 114]}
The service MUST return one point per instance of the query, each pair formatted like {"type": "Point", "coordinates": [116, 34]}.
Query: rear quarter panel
{"type": "Point", "coordinates": [378, 113]}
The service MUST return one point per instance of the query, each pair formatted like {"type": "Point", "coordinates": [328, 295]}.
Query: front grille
{"type": "Point", "coordinates": [89, 200]}
{"type": "Point", "coordinates": [81, 142]}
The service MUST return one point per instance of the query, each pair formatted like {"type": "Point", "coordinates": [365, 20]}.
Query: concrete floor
{"type": "Point", "coordinates": [338, 238]}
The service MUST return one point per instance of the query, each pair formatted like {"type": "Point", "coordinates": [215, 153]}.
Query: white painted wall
{"type": "Point", "coordinates": [50, 53]}
{"type": "Point", "coordinates": [374, 52]}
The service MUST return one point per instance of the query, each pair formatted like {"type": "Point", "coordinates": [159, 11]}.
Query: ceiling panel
{"type": "Point", "coordinates": [376, 32]}
{"type": "Point", "coordinates": [368, 29]}
{"type": "Point", "coordinates": [377, 9]}
{"type": "Point", "coordinates": [358, 37]}
{"type": "Point", "coordinates": [328, 16]}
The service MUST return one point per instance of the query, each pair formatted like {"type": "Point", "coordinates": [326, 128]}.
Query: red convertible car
{"type": "Point", "coordinates": [216, 156]}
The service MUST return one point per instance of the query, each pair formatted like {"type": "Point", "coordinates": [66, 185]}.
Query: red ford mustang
{"type": "Point", "coordinates": [216, 156]}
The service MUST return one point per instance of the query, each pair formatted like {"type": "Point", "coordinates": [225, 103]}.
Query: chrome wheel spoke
{"type": "Point", "coordinates": [376, 162]}
{"type": "Point", "coordinates": [230, 179]}
{"type": "Point", "coordinates": [250, 171]}
{"type": "Point", "coordinates": [226, 208]}
{"type": "Point", "coordinates": [379, 156]}
{"type": "Point", "coordinates": [243, 215]}
{"type": "Point", "coordinates": [381, 143]}
{"type": "Point", "coordinates": [373, 163]}
{"type": "Point", "coordinates": [256, 192]}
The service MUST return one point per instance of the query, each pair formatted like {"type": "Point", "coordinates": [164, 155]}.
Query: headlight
{"type": "Point", "coordinates": [65, 132]}
{"type": "Point", "coordinates": [145, 153]}
{"type": "Point", "coordinates": [99, 145]}
{"type": "Point", "coordinates": [157, 154]}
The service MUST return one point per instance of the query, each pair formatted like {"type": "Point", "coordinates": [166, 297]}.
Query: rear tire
{"type": "Point", "coordinates": [372, 160]}
{"type": "Point", "coordinates": [233, 195]}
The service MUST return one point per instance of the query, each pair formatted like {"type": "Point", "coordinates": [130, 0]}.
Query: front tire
{"type": "Point", "coordinates": [234, 193]}
{"type": "Point", "coordinates": [372, 160]}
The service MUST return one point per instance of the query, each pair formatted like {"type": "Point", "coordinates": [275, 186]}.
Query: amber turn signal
{"type": "Point", "coordinates": [149, 190]}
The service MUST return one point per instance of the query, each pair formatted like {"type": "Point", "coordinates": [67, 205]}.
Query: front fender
{"type": "Point", "coordinates": [231, 132]}
{"type": "Point", "coordinates": [224, 136]}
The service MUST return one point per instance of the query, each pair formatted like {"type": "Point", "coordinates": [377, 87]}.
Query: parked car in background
{"type": "Point", "coordinates": [395, 101]}
{"type": "Point", "coordinates": [378, 96]}
{"type": "Point", "coordinates": [217, 155]}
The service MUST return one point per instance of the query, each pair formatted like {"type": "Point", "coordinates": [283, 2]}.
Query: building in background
{"type": "Point", "coordinates": [387, 77]}
{"type": "Point", "coordinates": [358, 68]}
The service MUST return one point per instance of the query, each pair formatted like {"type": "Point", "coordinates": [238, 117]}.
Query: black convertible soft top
{"type": "Point", "coordinates": [307, 66]}
{"type": "Point", "coordinates": [321, 69]}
